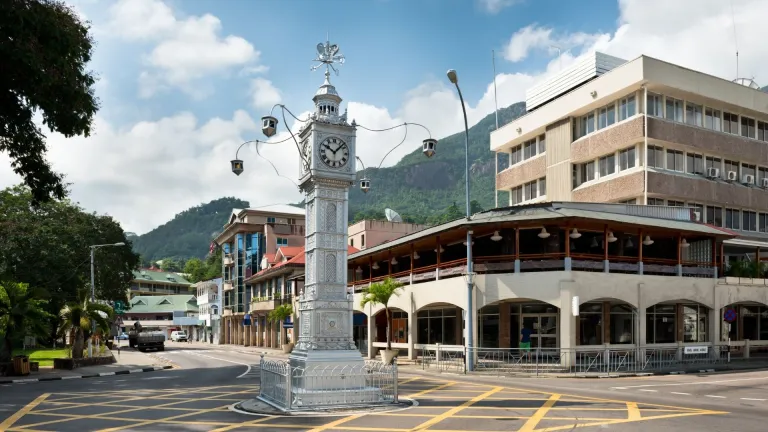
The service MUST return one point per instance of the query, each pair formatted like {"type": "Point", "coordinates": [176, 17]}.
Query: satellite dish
{"type": "Point", "coordinates": [747, 82]}
{"type": "Point", "coordinates": [392, 215]}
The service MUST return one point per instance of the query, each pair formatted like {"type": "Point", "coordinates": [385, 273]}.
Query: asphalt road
{"type": "Point", "coordinates": [196, 397]}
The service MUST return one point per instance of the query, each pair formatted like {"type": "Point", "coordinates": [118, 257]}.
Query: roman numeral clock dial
{"type": "Point", "coordinates": [334, 152]}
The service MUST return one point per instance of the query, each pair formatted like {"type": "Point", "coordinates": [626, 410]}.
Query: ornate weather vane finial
{"type": "Point", "coordinates": [327, 55]}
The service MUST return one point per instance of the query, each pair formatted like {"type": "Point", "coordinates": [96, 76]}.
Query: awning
{"type": "Point", "coordinates": [746, 243]}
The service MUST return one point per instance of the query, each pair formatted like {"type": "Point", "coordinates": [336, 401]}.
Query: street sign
{"type": "Point", "coordinates": [730, 315]}
{"type": "Point", "coordinates": [119, 307]}
{"type": "Point", "coordinates": [695, 350]}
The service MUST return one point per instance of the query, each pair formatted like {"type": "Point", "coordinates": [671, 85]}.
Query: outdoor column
{"type": "Point", "coordinates": [715, 326]}
{"type": "Point", "coordinates": [567, 333]}
{"type": "Point", "coordinates": [412, 335]}
{"type": "Point", "coordinates": [504, 326]}
{"type": "Point", "coordinates": [268, 335]}
{"type": "Point", "coordinates": [371, 334]}
{"type": "Point", "coordinates": [247, 338]}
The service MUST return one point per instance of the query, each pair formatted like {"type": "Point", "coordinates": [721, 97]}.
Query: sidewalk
{"type": "Point", "coordinates": [128, 361]}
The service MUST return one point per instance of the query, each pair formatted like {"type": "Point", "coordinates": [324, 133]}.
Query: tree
{"type": "Point", "coordinates": [195, 269]}
{"type": "Point", "coordinates": [380, 293]}
{"type": "Point", "coordinates": [77, 316]}
{"type": "Point", "coordinates": [22, 313]}
{"type": "Point", "coordinates": [170, 265]}
{"type": "Point", "coordinates": [279, 314]}
{"type": "Point", "coordinates": [475, 207]}
{"type": "Point", "coordinates": [46, 48]}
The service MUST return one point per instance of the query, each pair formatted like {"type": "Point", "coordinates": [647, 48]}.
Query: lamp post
{"type": "Point", "coordinates": [470, 279]}
{"type": "Point", "coordinates": [93, 290]}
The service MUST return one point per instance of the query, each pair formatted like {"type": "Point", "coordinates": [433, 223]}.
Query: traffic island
{"type": "Point", "coordinates": [72, 363]}
{"type": "Point", "coordinates": [261, 408]}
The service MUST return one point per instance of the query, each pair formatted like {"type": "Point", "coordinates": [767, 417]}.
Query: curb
{"type": "Point", "coordinates": [103, 374]}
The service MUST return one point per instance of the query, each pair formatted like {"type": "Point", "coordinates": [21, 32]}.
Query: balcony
{"type": "Point", "coordinates": [265, 304]}
{"type": "Point", "coordinates": [228, 286]}
{"type": "Point", "coordinates": [285, 229]}
{"type": "Point", "coordinates": [228, 259]}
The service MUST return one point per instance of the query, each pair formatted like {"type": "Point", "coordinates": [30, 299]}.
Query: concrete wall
{"type": "Point", "coordinates": [378, 232]}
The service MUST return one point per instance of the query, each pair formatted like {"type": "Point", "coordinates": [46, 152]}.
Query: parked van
{"type": "Point", "coordinates": [179, 336]}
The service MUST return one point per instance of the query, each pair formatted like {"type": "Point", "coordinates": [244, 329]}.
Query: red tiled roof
{"type": "Point", "coordinates": [291, 251]}
{"type": "Point", "coordinates": [298, 260]}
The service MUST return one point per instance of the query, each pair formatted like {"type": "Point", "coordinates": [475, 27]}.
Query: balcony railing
{"type": "Point", "coordinates": [228, 286]}
{"type": "Point", "coordinates": [286, 229]}
{"type": "Point", "coordinates": [546, 262]}
{"type": "Point", "coordinates": [269, 303]}
{"type": "Point", "coordinates": [228, 259]}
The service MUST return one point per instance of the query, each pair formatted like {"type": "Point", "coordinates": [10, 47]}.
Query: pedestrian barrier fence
{"type": "Point", "coordinates": [581, 361]}
{"type": "Point", "coordinates": [296, 388]}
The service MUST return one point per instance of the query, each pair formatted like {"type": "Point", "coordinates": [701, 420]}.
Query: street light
{"type": "Point", "coordinates": [93, 290]}
{"type": "Point", "coordinates": [454, 79]}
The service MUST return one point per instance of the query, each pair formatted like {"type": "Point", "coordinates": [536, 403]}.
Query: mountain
{"type": "Point", "coordinates": [189, 233]}
{"type": "Point", "coordinates": [420, 189]}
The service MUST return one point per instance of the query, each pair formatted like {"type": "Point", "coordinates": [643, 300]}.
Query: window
{"type": "Point", "coordinates": [362, 240]}
{"type": "Point", "coordinates": [629, 201]}
{"type": "Point", "coordinates": [674, 110]}
{"type": "Point", "coordinates": [748, 221]}
{"type": "Point", "coordinates": [762, 225]}
{"type": "Point", "coordinates": [762, 131]}
{"type": "Point", "coordinates": [502, 161]}
{"type": "Point", "coordinates": [747, 127]}
{"type": "Point", "coordinates": [655, 107]}
{"type": "Point", "coordinates": [270, 220]}
{"type": "Point", "coordinates": [606, 116]}
{"type": "Point", "coordinates": [586, 124]}
{"type": "Point", "coordinates": [530, 190]}
{"type": "Point", "coordinates": [352, 242]}
{"type": "Point", "coordinates": [529, 149]}
{"type": "Point", "coordinates": [730, 123]}
{"type": "Point", "coordinates": [627, 159]}
{"type": "Point", "coordinates": [516, 195]}
{"type": "Point", "coordinates": [291, 221]}
{"type": "Point", "coordinates": [748, 170]}
{"type": "Point", "coordinates": [762, 173]}
{"type": "Point", "coordinates": [731, 166]}
{"type": "Point", "coordinates": [655, 201]}
{"type": "Point", "coordinates": [584, 172]}
{"type": "Point", "coordinates": [542, 186]}
{"type": "Point", "coordinates": [655, 157]}
{"type": "Point", "coordinates": [282, 241]}
{"type": "Point", "coordinates": [627, 108]}
{"type": "Point", "coordinates": [542, 143]}
{"type": "Point", "coordinates": [516, 155]}
{"type": "Point", "coordinates": [732, 218]}
{"type": "Point", "coordinates": [675, 160]}
{"type": "Point", "coordinates": [695, 319]}
{"type": "Point", "coordinates": [693, 114]}
{"type": "Point", "coordinates": [694, 163]}
{"type": "Point", "coordinates": [699, 211]}
{"type": "Point", "coordinates": [590, 319]}
{"type": "Point", "coordinates": [712, 119]}
{"type": "Point", "coordinates": [607, 165]}
{"type": "Point", "coordinates": [714, 216]}
{"type": "Point", "coordinates": [713, 162]}
{"type": "Point", "coordinates": [671, 203]}
{"type": "Point", "coordinates": [660, 324]}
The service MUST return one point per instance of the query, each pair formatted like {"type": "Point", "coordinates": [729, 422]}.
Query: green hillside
{"type": "Point", "coordinates": [420, 189]}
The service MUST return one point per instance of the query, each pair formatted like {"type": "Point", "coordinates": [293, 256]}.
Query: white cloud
{"type": "Point", "coordinates": [534, 37]}
{"type": "Point", "coordinates": [495, 6]}
{"type": "Point", "coordinates": [184, 50]}
{"type": "Point", "coordinates": [264, 94]}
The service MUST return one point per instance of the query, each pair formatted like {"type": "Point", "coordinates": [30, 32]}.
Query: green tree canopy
{"type": "Point", "coordinates": [45, 51]}
{"type": "Point", "coordinates": [22, 313]}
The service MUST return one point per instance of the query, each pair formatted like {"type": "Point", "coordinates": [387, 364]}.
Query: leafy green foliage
{"type": "Point", "coordinates": [280, 313]}
{"type": "Point", "coordinates": [46, 48]}
{"type": "Point", "coordinates": [48, 247]}
{"type": "Point", "coordinates": [77, 317]}
{"type": "Point", "coordinates": [189, 233]}
{"type": "Point", "coordinates": [22, 313]}
{"type": "Point", "coordinates": [380, 293]}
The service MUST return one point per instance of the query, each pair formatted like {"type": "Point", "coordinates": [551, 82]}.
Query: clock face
{"type": "Point", "coordinates": [334, 152]}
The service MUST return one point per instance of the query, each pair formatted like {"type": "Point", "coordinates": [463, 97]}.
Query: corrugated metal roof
{"type": "Point", "coordinates": [550, 211]}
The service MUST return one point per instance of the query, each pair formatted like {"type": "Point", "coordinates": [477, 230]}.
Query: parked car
{"type": "Point", "coordinates": [179, 336]}
{"type": "Point", "coordinates": [123, 336]}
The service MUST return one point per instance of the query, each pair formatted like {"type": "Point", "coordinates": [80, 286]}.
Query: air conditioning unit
{"type": "Point", "coordinates": [765, 183]}
{"type": "Point", "coordinates": [713, 172]}
{"type": "Point", "coordinates": [732, 176]}
{"type": "Point", "coordinates": [748, 179]}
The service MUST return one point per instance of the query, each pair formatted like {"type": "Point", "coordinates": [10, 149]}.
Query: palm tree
{"type": "Point", "coordinates": [77, 316]}
{"type": "Point", "coordinates": [22, 313]}
{"type": "Point", "coordinates": [380, 293]}
{"type": "Point", "coordinates": [278, 315]}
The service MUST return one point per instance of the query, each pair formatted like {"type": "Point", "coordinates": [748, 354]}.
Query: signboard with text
{"type": "Point", "coordinates": [695, 350]}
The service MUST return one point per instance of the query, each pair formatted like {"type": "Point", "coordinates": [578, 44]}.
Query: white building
{"type": "Point", "coordinates": [209, 294]}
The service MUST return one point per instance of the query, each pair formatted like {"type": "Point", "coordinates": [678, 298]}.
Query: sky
{"type": "Point", "coordinates": [182, 83]}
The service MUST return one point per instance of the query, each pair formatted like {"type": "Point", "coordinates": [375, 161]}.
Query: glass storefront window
{"type": "Point", "coordinates": [622, 324]}
{"type": "Point", "coordinates": [695, 320]}
{"type": "Point", "coordinates": [660, 324]}
{"type": "Point", "coordinates": [591, 324]}
{"type": "Point", "coordinates": [488, 327]}
{"type": "Point", "coordinates": [437, 326]}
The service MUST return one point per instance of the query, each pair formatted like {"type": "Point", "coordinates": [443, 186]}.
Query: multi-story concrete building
{"type": "Point", "coordinates": [209, 296]}
{"type": "Point", "coordinates": [147, 282]}
{"type": "Point", "coordinates": [370, 233]}
{"type": "Point", "coordinates": [249, 242]}
{"type": "Point", "coordinates": [643, 132]}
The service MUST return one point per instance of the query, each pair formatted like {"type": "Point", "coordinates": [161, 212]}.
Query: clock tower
{"type": "Point", "coordinates": [324, 337]}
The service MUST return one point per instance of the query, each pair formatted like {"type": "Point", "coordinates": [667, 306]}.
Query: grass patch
{"type": "Point", "coordinates": [44, 356]}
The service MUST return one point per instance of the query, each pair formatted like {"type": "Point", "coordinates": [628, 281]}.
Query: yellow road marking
{"type": "Point", "coordinates": [423, 392]}
{"type": "Point", "coordinates": [244, 424]}
{"type": "Point", "coordinates": [336, 423]}
{"type": "Point", "coordinates": [532, 422]}
{"type": "Point", "coordinates": [620, 421]}
{"type": "Point", "coordinates": [437, 419]}
{"type": "Point", "coordinates": [7, 423]}
{"type": "Point", "coordinates": [633, 411]}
